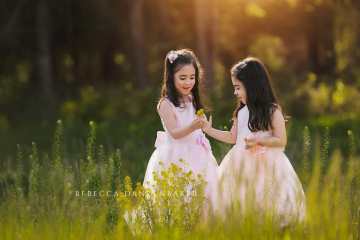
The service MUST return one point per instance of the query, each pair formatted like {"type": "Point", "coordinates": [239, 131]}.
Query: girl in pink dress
{"type": "Point", "coordinates": [182, 139]}
{"type": "Point", "coordinates": [256, 173]}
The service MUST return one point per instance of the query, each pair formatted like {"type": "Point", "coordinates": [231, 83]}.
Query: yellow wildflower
{"type": "Point", "coordinates": [200, 112]}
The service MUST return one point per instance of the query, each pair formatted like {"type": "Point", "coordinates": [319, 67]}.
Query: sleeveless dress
{"type": "Point", "coordinates": [261, 178]}
{"type": "Point", "coordinates": [194, 149]}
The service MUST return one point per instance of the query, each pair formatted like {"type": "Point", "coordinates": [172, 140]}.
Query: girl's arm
{"type": "Point", "coordinates": [167, 114]}
{"type": "Point", "coordinates": [224, 136]}
{"type": "Point", "coordinates": [278, 138]}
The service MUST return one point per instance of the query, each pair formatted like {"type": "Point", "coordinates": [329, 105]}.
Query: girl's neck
{"type": "Point", "coordinates": [185, 98]}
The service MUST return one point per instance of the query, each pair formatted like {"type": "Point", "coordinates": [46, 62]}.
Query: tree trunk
{"type": "Point", "coordinates": [45, 71]}
{"type": "Point", "coordinates": [205, 29]}
{"type": "Point", "coordinates": [320, 39]}
{"type": "Point", "coordinates": [312, 42]}
{"type": "Point", "coordinates": [138, 42]}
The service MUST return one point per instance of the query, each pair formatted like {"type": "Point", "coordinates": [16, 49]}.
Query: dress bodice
{"type": "Point", "coordinates": [185, 114]}
{"type": "Point", "coordinates": [243, 127]}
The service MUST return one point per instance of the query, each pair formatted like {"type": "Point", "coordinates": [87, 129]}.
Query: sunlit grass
{"type": "Point", "coordinates": [46, 202]}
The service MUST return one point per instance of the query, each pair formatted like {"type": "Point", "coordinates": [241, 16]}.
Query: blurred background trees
{"type": "Point", "coordinates": [103, 61]}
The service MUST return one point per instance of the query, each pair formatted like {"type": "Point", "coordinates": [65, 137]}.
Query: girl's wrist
{"type": "Point", "coordinates": [206, 130]}
{"type": "Point", "coordinates": [259, 141]}
{"type": "Point", "coordinates": [190, 127]}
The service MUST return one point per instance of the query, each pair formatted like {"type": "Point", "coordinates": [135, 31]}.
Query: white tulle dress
{"type": "Point", "coordinates": [261, 178]}
{"type": "Point", "coordinates": [193, 149]}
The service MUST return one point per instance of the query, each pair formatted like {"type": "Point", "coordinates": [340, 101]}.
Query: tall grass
{"type": "Point", "coordinates": [87, 197]}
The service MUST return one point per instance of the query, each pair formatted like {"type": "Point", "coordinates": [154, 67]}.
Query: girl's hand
{"type": "Point", "coordinates": [196, 124]}
{"type": "Point", "coordinates": [207, 124]}
{"type": "Point", "coordinates": [250, 141]}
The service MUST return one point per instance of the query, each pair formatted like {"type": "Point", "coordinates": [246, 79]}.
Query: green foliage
{"type": "Point", "coordinates": [115, 208]}
{"type": "Point", "coordinates": [306, 154]}
{"type": "Point", "coordinates": [34, 178]}
{"type": "Point", "coordinates": [271, 50]}
{"type": "Point", "coordinates": [324, 148]}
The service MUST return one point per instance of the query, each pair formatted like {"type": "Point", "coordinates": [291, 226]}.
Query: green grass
{"type": "Point", "coordinates": [39, 198]}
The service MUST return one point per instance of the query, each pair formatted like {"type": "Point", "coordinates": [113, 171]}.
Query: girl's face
{"type": "Point", "coordinates": [239, 89]}
{"type": "Point", "coordinates": [185, 79]}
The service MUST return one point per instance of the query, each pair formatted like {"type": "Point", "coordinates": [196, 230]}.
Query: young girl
{"type": "Point", "coordinates": [183, 139]}
{"type": "Point", "coordinates": [256, 172]}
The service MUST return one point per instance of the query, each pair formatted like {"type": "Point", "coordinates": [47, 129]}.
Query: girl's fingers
{"type": "Point", "coordinates": [203, 117]}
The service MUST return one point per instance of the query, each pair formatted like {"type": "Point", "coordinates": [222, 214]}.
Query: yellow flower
{"type": "Point", "coordinates": [200, 112]}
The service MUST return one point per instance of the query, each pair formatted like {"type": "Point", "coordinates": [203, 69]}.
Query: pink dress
{"type": "Point", "coordinates": [194, 149]}
{"type": "Point", "coordinates": [261, 178]}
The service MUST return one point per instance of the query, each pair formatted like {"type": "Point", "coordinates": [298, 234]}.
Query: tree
{"type": "Point", "coordinates": [136, 24]}
{"type": "Point", "coordinates": [205, 29]}
{"type": "Point", "coordinates": [319, 27]}
{"type": "Point", "coordinates": [44, 57]}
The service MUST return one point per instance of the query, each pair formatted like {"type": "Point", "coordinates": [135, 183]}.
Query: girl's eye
{"type": "Point", "coordinates": [182, 78]}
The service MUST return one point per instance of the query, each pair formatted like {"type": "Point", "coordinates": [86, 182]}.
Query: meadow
{"type": "Point", "coordinates": [53, 195]}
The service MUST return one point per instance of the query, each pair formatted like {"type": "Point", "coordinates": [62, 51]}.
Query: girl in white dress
{"type": "Point", "coordinates": [182, 138]}
{"type": "Point", "coordinates": [256, 173]}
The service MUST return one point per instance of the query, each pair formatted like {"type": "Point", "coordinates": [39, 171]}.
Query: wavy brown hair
{"type": "Point", "coordinates": [261, 100]}
{"type": "Point", "coordinates": [184, 57]}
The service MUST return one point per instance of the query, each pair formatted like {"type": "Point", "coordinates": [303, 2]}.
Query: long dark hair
{"type": "Point", "coordinates": [171, 66]}
{"type": "Point", "coordinates": [261, 100]}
